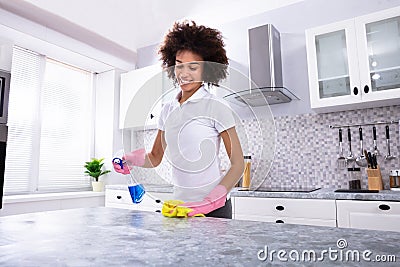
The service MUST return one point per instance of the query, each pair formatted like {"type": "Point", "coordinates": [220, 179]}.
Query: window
{"type": "Point", "coordinates": [50, 124]}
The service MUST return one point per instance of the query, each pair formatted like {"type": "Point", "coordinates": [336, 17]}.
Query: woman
{"type": "Point", "coordinates": [192, 125]}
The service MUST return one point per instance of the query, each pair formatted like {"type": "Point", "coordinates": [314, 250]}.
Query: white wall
{"type": "Point", "coordinates": [46, 41]}
{"type": "Point", "coordinates": [108, 137]}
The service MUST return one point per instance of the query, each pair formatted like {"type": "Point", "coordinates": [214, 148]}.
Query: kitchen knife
{"type": "Point", "coordinates": [375, 162]}
{"type": "Point", "coordinates": [368, 158]}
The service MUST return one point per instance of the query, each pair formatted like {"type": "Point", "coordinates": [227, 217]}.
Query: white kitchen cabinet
{"type": "Point", "coordinates": [19, 204]}
{"type": "Point", "coordinates": [355, 63]}
{"type": "Point", "coordinates": [373, 215]}
{"type": "Point", "coordinates": [284, 210]}
{"type": "Point", "coordinates": [143, 91]}
{"type": "Point", "coordinates": [140, 90]}
{"type": "Point", "coordinates": [6, 51]}
{"type": "Point", "coordinates": [152, 201]}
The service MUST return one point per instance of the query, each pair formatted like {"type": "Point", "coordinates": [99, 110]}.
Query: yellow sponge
{"type": "Point", "coordinates": [171, 209]}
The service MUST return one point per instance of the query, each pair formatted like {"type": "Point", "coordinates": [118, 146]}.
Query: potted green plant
{"type": "Point", "coordinates": [94, 169]}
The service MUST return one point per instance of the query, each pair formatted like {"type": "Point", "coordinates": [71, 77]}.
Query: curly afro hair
{"type": "Point", "coordinates": [201, 40]}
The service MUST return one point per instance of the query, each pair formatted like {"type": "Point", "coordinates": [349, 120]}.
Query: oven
{"type": "Point", "coordinates": [4, 93]}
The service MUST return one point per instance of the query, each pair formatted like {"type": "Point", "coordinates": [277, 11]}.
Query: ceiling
{"type": "Point", "coordinates": [139, 23]}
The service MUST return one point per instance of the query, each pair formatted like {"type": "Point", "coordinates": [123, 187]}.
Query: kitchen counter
{"type": "Point", "coordinates": [156, 188]}
{"type": "Point", "coordinates": [118, 237]}
{"type": "Point", "coordinates": [323, 193]}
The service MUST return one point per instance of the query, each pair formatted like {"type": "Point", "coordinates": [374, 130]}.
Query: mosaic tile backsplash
{"type": "Point", "coordinates": [306, 148]}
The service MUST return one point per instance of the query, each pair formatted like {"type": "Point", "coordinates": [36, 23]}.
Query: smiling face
{"type": "Point", "coordinates": [188, 71]}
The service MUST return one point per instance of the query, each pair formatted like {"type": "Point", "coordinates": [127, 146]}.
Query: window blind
{"type": "Point", "coordinates": [49, 125]}
{"type": "Point", "coordinates": [66, 116]}
{"type": "Point", "coordinates": [23, 121]}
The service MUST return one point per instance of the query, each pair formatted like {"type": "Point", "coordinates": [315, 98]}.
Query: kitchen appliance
{"type": "Point", "coordinates": [354, 178]}
{"type": "Point", "coordinates": [356, 191]}
{"type": "Point", "coordinates": [283, 189]}
{"type": "Point", "coordinates": [266, 83]}
{"type": "Point", "coordinates": [394, 178]}
{"type": "Point", "coordinates": [2, 168]}
{"type": "Point", "coordinates": [4, 92]}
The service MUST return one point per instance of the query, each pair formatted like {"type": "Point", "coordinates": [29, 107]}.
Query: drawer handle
{"type": "Point", "coordinates": [384, 207]}
{"type": "Point", "coordinates": [280, 208]}
{"type": "Point", "coordinates": [279, 221]}
{"type": "Point", "coordinates": [158, 201]}
{"type": "Point", "coordinates": [119, 197]}
{"type": "Point", "coordinates": [158, 211]}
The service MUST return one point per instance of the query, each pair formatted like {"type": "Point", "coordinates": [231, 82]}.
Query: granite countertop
{"type": "Point", "coordinates": [323, 193]}
{"type": "Point", "coordinates": [117, 237]}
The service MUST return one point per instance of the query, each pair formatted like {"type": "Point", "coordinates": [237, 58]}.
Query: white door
{"type": "Point", "coordinates": [139, 92]}
{"type": "Point", "coordinates": [333, 65]}
{"type": "Point", "coordinates": [378, 37]}
{"type": "Point", "coordinates": [374, 215]}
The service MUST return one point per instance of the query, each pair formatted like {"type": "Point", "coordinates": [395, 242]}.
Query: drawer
{"type": "Point", "coordinates": [373, 215]}
{"type": "Point", "coordinates": [376, 207]}
{"type": "Point", "coordinates": [286, 207]}
{"type": "Point", "coordinates": [152, 201]}
{"type": "Point", "coordinates": [118, 196]}
{"type": "Point", "coordinates": [288, 220]}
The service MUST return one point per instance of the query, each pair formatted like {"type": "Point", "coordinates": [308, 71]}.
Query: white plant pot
{"type": "Point", "coordinates": [97, 186]}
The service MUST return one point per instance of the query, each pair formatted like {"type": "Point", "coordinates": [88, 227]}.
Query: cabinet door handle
{"type": "Point", "coordinates": [119, 197]}
{"type": "Point", "coordinates": [280, 208]}
{"type": "Point", "coordinates": [355, 91]}
{"type": "Point", "coordinates": [279, 221]}
{"type": "Point", "coordinates": [158, 211]}
{"type": "Point", "coordinates": [366, 89]}
{"type": "Point", "coordinates": [384, 207]}
{"type": "Point", "coordinates": [151, 116]}
{"type": "Point", "coordinates": [158, 201]}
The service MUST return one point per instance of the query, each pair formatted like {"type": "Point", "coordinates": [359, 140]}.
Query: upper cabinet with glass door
{"type": "Point", "coordinates": [379, 55]}
{"type": "Point", "coordinates": [355, 63]}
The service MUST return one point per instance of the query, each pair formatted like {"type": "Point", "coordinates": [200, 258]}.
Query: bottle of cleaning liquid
{"type": "Point", "coordinates": [246, 173]}
{"type": "Point", "coordinates": [136, 190]}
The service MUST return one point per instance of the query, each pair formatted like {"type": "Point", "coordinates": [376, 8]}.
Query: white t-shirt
{"type": "Point", "coordinates": [192, 133]}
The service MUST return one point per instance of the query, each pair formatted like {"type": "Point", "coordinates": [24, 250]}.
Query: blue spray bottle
{"type": "Point", "coordinates": [136, 190]}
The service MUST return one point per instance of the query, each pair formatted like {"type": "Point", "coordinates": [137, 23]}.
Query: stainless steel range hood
{"type": "Point", "coordinates": [266, 83]}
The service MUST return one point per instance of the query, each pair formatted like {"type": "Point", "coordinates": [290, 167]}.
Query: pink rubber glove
{"type": "Point", "coordinates": [214, 200]}
{"type": "Point", "coordinates": [134, 158]}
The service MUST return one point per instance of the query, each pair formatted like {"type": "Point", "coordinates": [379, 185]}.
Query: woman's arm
{"type": "Point", "coordinates": [235, 154]}
{"type": "Point", "coordinates": [154, 157]}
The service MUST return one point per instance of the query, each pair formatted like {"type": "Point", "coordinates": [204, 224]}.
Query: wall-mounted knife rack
{"type": "Point", "coordinates": [363, 124]}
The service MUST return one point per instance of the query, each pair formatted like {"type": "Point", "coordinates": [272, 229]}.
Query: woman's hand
{"type": "Point", "coordinates": [214, 200]}
{"type": "Point", "coordinates": [134, 158]}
